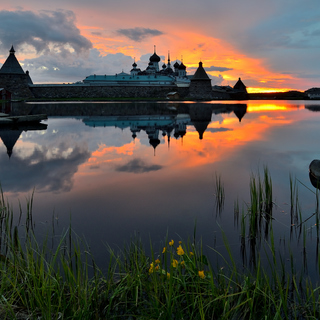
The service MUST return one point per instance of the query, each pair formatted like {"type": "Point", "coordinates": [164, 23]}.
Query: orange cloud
{"type": "Point", "coordinates": [192, 47]}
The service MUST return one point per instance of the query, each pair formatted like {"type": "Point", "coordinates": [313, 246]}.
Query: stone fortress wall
{"type": "Point", "coordinates": [65, 91]}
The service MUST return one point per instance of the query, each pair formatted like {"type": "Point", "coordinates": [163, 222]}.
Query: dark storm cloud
{"type": "Point", "coordinates": [138, 166]}
{"type": "Point", "coordinates": [40, 30]}
{"type": "Point", "coordinates": [221, 69]}
{"type": "Point", "coordinates": [139, 34]}
{"type": "Point", "coordinates": [38, 170]}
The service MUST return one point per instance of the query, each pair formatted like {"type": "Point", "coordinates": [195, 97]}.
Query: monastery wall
{"type": "Point", "coordinates": [66, 91]}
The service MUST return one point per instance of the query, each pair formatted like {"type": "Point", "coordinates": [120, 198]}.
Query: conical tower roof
{"type": "Point", "coordinates": [200, 74]}
{"type": "Point", "coordinates": [12, 65]}
{"type": "Point", "coordinates": [240, 86]}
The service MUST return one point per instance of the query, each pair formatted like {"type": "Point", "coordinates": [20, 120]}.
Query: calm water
{"type": "Point", "coordinates": [116, 169]}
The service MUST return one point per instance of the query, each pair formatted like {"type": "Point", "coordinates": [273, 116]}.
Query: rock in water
{"type": "Point", "coordinates": [314, 173]}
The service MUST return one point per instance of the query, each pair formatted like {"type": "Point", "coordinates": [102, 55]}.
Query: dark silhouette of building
{"type": "Point", "coordinates": [200, 86]}
{"type": "Point", "coordinates": [239, 91]}
{"type": "Point", "coordinates": [13, 78]}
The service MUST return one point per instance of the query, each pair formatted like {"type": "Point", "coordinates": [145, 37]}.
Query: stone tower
{"type": "Point", "coordinates": [200, 85]}
{"type": "Point", "coordinates": [13, 78]}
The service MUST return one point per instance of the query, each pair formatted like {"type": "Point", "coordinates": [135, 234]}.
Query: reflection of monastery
{"type": "Point", "coordinates": [158, 121]}
{"type": "Point", "coordinates": [159, 82]}
{"type": "Point", "coordinates": [152, 125]}
{"type": "Point", "coordinates": [172, 126]}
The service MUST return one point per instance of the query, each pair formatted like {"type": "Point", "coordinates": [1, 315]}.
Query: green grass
{"type": "Point", "coordinates": [175, 281]}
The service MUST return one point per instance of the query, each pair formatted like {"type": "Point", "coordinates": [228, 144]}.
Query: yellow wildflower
{"type": "Point", "coordinates": [180, 242]}
{"type": "Point", "coordinates": [156, 268]}
{"type": "Point", "coordinates": [164, 250]}
{"type": "Point", "coordinates": [180, 251]}
{"type": "Point", "coordinates": [151, 267]}
{"type": "Point", "coordinates": [157, 261]}
{"type": "Point", "coordinates": [175, 263]}
{"type": "Point", "coordinates": [201, 274]}
{"type": "Point", "coordinates": [183, 264]}
{"type": "Point", "coordinates": [171, 243]}
{"type": "Point", "coordinates": [191, 253]}
{"type": "Point", "coordinates": [168, 275]}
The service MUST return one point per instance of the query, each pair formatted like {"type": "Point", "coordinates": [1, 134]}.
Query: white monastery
{"type": "Point", "coordinates": [152, 75]}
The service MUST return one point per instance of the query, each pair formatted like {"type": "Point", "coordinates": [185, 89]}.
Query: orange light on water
{"type": "Point", "coordinates": [266, 107]}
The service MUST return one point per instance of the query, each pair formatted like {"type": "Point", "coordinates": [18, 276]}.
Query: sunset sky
{"type": "Point", "coordinates": [269, 44]}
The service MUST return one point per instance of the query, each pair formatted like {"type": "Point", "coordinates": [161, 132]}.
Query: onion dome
{"type": "Point", "coordinates": [176, 65]}
{"type": "Point", "coordinates": [155, 58]}
{"type": "Point", "coordinates": [182, 66]}
{"type": "Point", "coordinates": [164, 66]}
{"type": "Point", "coordinates": [134, 64]}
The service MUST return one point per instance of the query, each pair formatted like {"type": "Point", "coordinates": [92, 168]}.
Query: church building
{"type": "Point", "coordinates": [151, 76]}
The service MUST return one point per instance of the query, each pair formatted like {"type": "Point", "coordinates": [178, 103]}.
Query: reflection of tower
{"type": "Point", "coordinates": [134, 129]}
{"type": "Point", "coordinates": [9, 139]}
{"type": "Point", "coordinates": [200, 115]}
{"type": "Point", "coordinates": [201, 127]}
{"type": "Point", "coordinates": [10, 136]}
{"type": "Point", "coordinates": [240, 111]}
{"type": "Point", "coordinates": [180, 130]}
{"type": "Point", "coordinates": [167, 132]}
{"type": "Point", "coordinates": [153, 135]}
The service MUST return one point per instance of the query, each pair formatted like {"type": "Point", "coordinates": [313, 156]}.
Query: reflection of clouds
{"type": "Point", "coordinates": [138, 166]}
{"type": "Point", "coordinates": [213, 130]}
{"type": "Point", "coordinates": [42, 169]}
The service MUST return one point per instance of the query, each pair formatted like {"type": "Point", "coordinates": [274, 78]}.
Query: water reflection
{"type": "Point", "coordinates": [10, 134]}
{"type": "Point", "coordinates": [173, 124]}
{"type": "Point", "coordinates": [96, 161]}
{"type": "Point", "coordinates": [313, 107]}
{"type": "Point", "coordinates": [47, 168]}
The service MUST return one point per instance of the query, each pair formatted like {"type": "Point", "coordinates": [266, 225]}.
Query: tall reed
{"type": "Point", "coordinates": [178, 280]}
